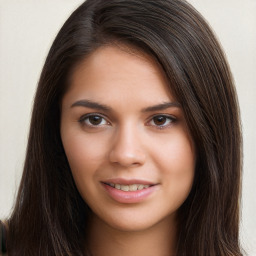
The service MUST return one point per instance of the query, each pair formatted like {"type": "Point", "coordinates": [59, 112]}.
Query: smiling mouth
{"type": "Point", "coordinates": [129, 191]}
{"type": "Point", "coordinates": [127, 188]}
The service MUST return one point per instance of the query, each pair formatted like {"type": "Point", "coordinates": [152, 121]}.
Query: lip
{"type": "Point", "coordinates": [128, 181]}
{"type": "Point", "coordinates": [129, 197]}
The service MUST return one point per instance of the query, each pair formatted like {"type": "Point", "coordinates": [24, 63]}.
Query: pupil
{"type": "Point", "coordinates": [95, 120]}
{"type": "Point", "coordinates": [159, 120]}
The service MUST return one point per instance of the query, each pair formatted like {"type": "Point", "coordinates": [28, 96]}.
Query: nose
{"type": "Point", "coordinates": [127, 149]}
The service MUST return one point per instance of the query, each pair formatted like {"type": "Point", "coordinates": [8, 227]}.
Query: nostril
{"type": "Point", "coordinates": [126, 159]}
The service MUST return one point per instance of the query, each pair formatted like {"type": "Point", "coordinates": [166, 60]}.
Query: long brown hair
{"type": "Point", "coordinates": [50, 217]}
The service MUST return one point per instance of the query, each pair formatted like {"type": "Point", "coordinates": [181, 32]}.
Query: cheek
{"type": "Point", "coordinates": [175, 153]}
{"type": "Point", "coordinates": [176, 162]}
{"type": "Point", "coordinates": [84, 153]}
{"type": "Point", "coordinates": [85, 156]}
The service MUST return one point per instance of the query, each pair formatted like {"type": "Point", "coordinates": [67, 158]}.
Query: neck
{"type": "Point", "coordinates": [157, 240]}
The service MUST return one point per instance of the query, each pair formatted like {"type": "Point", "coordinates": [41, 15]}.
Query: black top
{"type": "Point", "coordinates": [2, 239]}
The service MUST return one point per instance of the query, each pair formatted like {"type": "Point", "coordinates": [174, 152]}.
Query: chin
{"type": "Point", "coordinates": [130, 226]}
{"type": "Point", "coordinates": [134, 222]}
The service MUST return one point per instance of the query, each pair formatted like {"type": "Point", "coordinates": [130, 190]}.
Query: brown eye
{"type": "Point", "coordinates": [159, 120]}
{"type": "Point", "coordinates": [162, 121]}
{"type": "Point", "coordinates": [92, 120]}
{"type": "Point", "coordinates": [95, 120]}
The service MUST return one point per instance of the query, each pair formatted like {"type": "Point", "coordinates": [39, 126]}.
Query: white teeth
{"type": "Point", "coordinates": [132, 187]}
{"type": "Point", "coordinates": [140, 187]}
{"type": "Point", "coordinates": [117, 186]}
{"type": "Point", "coordinates": [125, 187]}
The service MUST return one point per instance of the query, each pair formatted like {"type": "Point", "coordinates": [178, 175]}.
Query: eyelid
{"type": "Point", "coordinates": [172, 118]}
{"type": "Point", "coordinates": [85, 116]}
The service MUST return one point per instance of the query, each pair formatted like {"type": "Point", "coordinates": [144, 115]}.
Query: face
{"type": "Point", "coordinates": [126, 140]}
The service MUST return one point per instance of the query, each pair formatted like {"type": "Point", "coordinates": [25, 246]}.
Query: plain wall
{"type": "Point", "coordinates": [27, 29]}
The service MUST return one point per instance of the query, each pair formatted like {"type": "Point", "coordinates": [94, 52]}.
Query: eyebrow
{"type": "Point", "coordinates": [102, 107]}
{"type": "Point", "coordinates": [91, 104]}
{"type": "Point", "coordinates": [162, 106]}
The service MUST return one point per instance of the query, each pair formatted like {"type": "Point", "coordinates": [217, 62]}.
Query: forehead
{"type": "Point", "coordinates": [119, 72]}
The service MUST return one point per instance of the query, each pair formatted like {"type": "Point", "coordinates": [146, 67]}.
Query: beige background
{"type": "Point", "coordinates": [27, 28]}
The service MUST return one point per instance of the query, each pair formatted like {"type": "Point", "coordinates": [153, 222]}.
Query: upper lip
{"type": "Point", "coordinates": [122, 181]}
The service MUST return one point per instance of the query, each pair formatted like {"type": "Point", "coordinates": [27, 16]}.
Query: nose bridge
{"type": "Point", "coordinates": [127, 149]}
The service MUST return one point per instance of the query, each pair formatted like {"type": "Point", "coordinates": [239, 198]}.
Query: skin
{"type": "Point", "coordinates": [130, 138]}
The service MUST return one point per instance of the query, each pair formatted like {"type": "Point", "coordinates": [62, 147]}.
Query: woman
{"type": "Point", "coordinates": [135, 143]}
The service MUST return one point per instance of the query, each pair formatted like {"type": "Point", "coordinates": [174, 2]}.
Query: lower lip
{"type": "Point", "coordinates": [129, 197]}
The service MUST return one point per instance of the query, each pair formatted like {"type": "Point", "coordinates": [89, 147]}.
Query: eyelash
{"type": "Point", "coordinates": [85, 118]}
{"type": "Point", "coordinates": [171, 119]}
